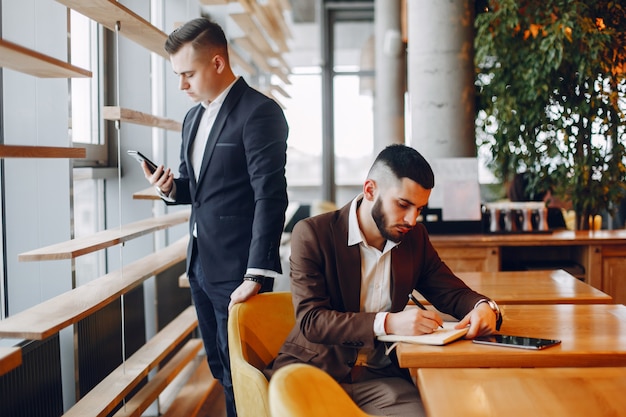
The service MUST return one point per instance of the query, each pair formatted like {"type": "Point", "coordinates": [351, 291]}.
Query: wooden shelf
{"type": "Point", "coordinates": [237, 59]}
{"type": "Point", "coordinates": [31, 62]}
{"type": "Point", "coordinates": [19, 151]}
{"type": "Point", "coordinates": [147, 194]}
{"type": "Point", "coordinates": [112, 390]}
{"type": "Point", "coordinates": [153, 388]}
{"type": "Point", "coordinates": [49, 317]}
{"type": "Point", "coordinates": [200, 388]}
{"type": "Point", "coordinates": [132, 26]}
{"type": "Point", "coordinates": [272, 28]}
{"type": "Point", "coordinates": [104, 239]}
{"type": "Point", "coordinates": [139, 118]}
{"type": "Point", "coordinates": [257, 56]}
{"type": "Point", "coordinates": [10, 358]}
{"type": "Point", "coordinates": [250, 28]}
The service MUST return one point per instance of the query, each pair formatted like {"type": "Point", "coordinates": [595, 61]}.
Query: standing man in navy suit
{"type": "Point", "coordinates": [232, 172]}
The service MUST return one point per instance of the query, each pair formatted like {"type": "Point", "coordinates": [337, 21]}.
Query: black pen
{"type": "Point", "coordinates": [420, 305]}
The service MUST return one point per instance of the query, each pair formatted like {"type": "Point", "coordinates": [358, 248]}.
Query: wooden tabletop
{"type": "Point", "coordinates": [556, 238]}
{"type": "Point", "coordinates": [532, 287]}
{"type": "Point", "coordinates": [590, 334]}
{"type": "Point", "coordinates": [514, 392]}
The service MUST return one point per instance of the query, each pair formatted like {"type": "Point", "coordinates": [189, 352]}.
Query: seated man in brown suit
{"type": "Point", "coordinates": [351, 273]}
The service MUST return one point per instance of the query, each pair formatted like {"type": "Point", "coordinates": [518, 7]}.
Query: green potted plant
{"type": "Point", "coordinates": [551, 94]}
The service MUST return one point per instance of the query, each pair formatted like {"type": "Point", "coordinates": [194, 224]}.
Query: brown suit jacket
{"type": "Point", "coordinates": [325, 285]}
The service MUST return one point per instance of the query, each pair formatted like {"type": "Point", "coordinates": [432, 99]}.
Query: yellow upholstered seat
{"type": "Point", "coordinates": [300, 390]}
{"type": "Point", "coordinates": [257, 329]}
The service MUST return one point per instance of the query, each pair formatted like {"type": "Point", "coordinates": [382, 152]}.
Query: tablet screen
{"type": "Point", "coordinates": [522, 342]}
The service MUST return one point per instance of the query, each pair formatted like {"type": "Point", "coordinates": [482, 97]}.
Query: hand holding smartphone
{"type": "Point", "coordinates": [141, 158]}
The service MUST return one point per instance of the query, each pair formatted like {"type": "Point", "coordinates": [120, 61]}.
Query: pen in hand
{"type": "Point", "coordinates": [420, 305]}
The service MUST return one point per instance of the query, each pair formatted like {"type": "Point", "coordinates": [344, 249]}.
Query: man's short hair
{"type": "Point", "coordinates": [403, 162]}
{"type": "Point", "coordinates": [201, 33]}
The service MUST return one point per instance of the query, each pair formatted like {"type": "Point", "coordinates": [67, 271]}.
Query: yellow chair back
{"type": "Point", "coordinates": [257, 329]}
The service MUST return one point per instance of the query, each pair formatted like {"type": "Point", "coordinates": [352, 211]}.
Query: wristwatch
{"type": "Point", "coordinates": [494, 306]}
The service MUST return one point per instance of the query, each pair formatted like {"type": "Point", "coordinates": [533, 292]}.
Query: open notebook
{"type": "Point", "coordinates": [438, 337]}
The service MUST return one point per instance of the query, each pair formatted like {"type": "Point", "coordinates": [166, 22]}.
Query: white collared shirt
{"type": "Point", "coordinates": [375, 271]}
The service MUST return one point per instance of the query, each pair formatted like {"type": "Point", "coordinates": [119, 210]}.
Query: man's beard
{"type": "Point", "coordinates": [381, 222]}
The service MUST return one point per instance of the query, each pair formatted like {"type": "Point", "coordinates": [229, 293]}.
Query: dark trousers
{"type": "Point", "coordinates": [211, 303]}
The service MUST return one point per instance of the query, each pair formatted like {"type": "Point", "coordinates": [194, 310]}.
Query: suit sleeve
{"type": "Point", "coordinates": [265, 141]}
{"type": "Point", "coordinates": [319, 309]}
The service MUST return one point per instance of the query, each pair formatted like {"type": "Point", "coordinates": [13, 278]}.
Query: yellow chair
{"type": "Point", "coordinates": [300, 390]}
{"type": "Point", "coordinates": [257, 329]}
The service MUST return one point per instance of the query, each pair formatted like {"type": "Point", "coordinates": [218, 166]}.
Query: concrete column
{"type": "Point", "coordinates": [390, 53]}
{"type": "Point", "coordinates": [441, 77]}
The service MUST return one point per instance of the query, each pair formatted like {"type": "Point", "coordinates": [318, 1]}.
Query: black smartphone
{"type": "Point", "coordinates": [521, 342]}
{"type": "Point", "coordinates": [141, 157]}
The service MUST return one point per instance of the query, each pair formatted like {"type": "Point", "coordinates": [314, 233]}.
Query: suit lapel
{"type": "Point", "coordinates": [228, 105]}
{"type": "Point", "coordinates": [192, 137]}
{"type": "Point", "coordinates": [349, 259]}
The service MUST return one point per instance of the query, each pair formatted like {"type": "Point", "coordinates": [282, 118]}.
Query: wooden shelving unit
{"type": "Point", "coordinates": [19, 151]}
{"type": "Point", "coordinates": [259, 59]}
{"type": "Point", "coordinates": [139, 118]}
{"type": "Point", "coordinates": [49, 317]}
{"type": "Point", "coordinates": [31, 62]}
{"type": "Point", "coordinates": [104, 239]}
{"type": "Point", "coordinates": [104, 397]}
{"type": "Point", "coordinates": [250, 28]}
{"type": "Point", "coordinates": [237, 59]}
{"type": "Point", "coordinates": [132, 26]}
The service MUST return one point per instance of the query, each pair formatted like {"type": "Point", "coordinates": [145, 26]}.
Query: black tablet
{"type": "Point", "coordinates": [521, 342]}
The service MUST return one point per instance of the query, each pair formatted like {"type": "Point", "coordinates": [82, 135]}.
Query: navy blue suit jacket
{"type": "Point", "coordinates": [239, 200]}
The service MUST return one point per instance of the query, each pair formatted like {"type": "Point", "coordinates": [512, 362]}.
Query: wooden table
{"type": "Point", "coordinates": [532, 287]}
{"type": "Point", "coordinates": [572, 392]}
{"type": "Point", "coordinates": [591, 335]}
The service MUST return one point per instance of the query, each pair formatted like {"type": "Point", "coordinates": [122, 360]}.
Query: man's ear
{"type": "Point", "coordinates": [219, 63]}
{"type": "Point", "coordinates": [369, 189]}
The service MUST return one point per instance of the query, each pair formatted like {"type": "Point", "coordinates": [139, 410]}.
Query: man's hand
{"type": "Point", "coordinates": [482, 321]}
{"type": "Point", "coordinates": [246, 290]}
{"type": "Point", "coordinates": [161, 178]}
{"type": "Point", "coordinates": [412, 321]}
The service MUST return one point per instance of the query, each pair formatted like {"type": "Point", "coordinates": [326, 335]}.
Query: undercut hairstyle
{"type": "Point", "coordinates": [202, 33]}
{"type": "Point", "coordinates": [402, 161]}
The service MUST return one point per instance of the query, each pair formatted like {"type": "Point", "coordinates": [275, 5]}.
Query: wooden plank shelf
{"type": "Point", "coordinates": [105, 396]}
{"type": "Point", "coordinates": [104, 239]}
{"type": "Point", "coordinates": [139, 118]}
{"type": "Point", "coordinates": [19, 151]}
{"type": "Point", "coordinates": [259, 59]}
{"type": "Point", "coordinates": [195, 393]}
{"type": "Point", "coordinates": [47, 318]}
{"type": "Point", "coordinates": [147, 194]}
{"type": "Point", "coordinates": [132, 26]}
{"type": "Point", "coordinates": [10, 358]}
{"type": "Point", "coordinates": [237, 59]}
{"type": "Point", "coordinates": [250, 28]}
{"type": "Point", "coordinates": [31, 62]}
{"type": "Point", "coordinates": [151, 391]}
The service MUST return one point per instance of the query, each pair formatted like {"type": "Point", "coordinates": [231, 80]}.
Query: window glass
{"type": "Point", "coordinates": [88, 219]}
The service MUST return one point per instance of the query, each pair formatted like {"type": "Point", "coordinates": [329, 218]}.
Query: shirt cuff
{"type": "Point", "coordinates": [171, 197]}
{"type": "Point", "coordinates": [265, 272]}
{"type": "Point", "coordinates": [379, 323]}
